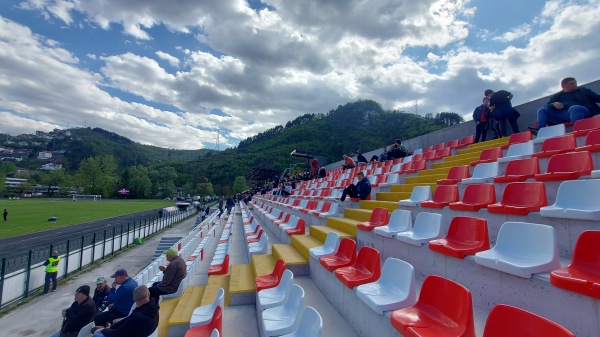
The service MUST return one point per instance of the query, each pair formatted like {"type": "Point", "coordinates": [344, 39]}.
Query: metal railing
{"type": "Point", "coordinates": [23, 274]}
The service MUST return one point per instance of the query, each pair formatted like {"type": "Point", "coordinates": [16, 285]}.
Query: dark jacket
{"type": "Point", "coordinates": [478, 111]}
{"type": "Point", "coordinates": [78, 315]}
{"type": "Point", "coordinates": [173, 275]}
{"type": "Point", "coordinates": [364, 188]}
{"type": "Point", "coordinates": [101, 298]}
{"type": "Point", "coordinates": [361, 159]}
{"type": "Point", "coordinates": [141, 323]}
{"type": "Point", "coordinates": [122, 298]}
{"type": "Point", "coordinates": [584, 95]}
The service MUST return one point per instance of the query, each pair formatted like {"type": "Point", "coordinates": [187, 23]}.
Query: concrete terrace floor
{"type": "Point", "coordinates": [41, 317]}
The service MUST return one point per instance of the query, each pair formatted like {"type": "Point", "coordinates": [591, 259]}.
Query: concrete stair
{"type": "Point", "coordinates": [165, 243]}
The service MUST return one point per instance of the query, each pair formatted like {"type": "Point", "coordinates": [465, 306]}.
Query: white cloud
{"type": "Point", "coordinates": [517, 33]}
{"type": "Point", "coordinates": [168, 57]}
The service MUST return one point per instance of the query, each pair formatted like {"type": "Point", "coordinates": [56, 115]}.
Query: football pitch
{"type": "Point", "coordinates": [31, 215]}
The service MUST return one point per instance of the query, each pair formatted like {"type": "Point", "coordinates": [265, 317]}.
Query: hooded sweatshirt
{"type": "Point", "coordinates": [140, 323]}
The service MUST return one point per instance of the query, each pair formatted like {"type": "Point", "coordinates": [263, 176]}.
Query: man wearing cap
{"type": "Point", "coordinates": [51, 272]}
{"type": "Point", "coordinates": [142, 321]}
{"type": "Point", "coordinates": [173, 274]}
{"type": "Point", "coordinates": [120, 299]}
{"type": "Point", "coordinates": [101, 294]}
{"type": "Point", "coordinates": [78, 314]}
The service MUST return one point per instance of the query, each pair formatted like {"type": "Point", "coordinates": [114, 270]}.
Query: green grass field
{"type": "Point", "coordinates": [31, 215]}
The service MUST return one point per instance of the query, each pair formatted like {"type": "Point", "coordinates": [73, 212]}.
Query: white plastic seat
{"type": "Point", "coordinates": [311, 324]}
{"type": "Point", "coordinates": [596, 174]}
{"type": "Point", "coordinates": [331, 245]}
{"type": "Point", "coordinates": [215, 333]}
{"type": "Point", "coordinates": [518, 151]}
{"type": "Point", "coordinates": [482, 173]}
{"type": "Point", "coordinates": [418, 151]}
{"type": "Point", "coordinates": [407, 159]}
{"type": "Point", "coordinates": [335, 194]}
{"type": "Point", "coordinates": [522, 249]}
{"type": "Point", "coordinates": [395, 289]}
{"type": "Point", "coordinates": [86, 330]}
{"type": "Point", "coordinates": [418, 194]}
{"type": "Point", "coordinates": [180, 289]}
{"type": "Point", "coordinates": [575, 199]}
{"type": "Point", "coordinates": [395, 168]}
{"type": "Point", "coordinates": [427, 227]}
{"type": "Point", "coordinates": [204, 314]}
{"type": "Point", "coordinates": [291, 224]}
{"type": "Point", "coordinates": [260, 247]}
{"type": "Point", "coordinates": [400, 221]}
{"type": "Point", "coordinates": [274, 297]}
{"type": "Point", "coordinates": [333, 211]}
{"type": "Point", "coordinates": [549, 132]}
{"type": "Point", "coordinates": [284, 319]}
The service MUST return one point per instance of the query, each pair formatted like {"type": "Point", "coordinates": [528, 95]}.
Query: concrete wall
{"type": "Point", "coordinates": [528, 117]}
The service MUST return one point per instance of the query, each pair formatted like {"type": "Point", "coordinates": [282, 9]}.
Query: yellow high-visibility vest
{"type": "Point", "coordinates": [52, 266]}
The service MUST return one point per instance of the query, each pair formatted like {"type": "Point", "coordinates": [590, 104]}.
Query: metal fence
{"type": "Point", "coordinates": [21, 275]}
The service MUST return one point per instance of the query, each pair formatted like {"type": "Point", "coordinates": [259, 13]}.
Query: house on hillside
{"type": "Point", "coordinates": [44, 155]}
{"type": "Point", "coordinates": [51, 167]}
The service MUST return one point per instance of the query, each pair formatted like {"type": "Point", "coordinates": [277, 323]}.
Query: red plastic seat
{"type": "Point", "coordinates": [345, 256]}
{"type": "Point", "coordinates": [359, 199]}
{"type": "Point", "coordinates": [583, 274]}
{"type": "Point", "coordinates": [312, 204]}
{"type": "Point", "coordinates": [417, 166]}
{"type": "Point", "coordinates": [366, 269]}
{"type": "Point", "coordinates": [271, 280]}
{"type": "Point", "coordinates": [583, 126]}
{"type": "Point", "coordinates": [444, 308]}
{"type": "Point", "coordinates": [439, 146]}
{"type": "Point", "coordinates": [456, 174]}
{"type": "Point", "coordinates": [220, 269]}
{"type": "Point", "coordinates": [379, 217]}
{"type": "Point", "coordinates": [452, 144]}
{"type": "Point", "coordinates": [556, 145]}
{"type": "Point", "coordinates": [519, 170]}
{"type": "Point", "coordinates": [428, 155]}
{"type": "Point", "coordinates": [592, 142]}
{"type": "Point", "coordinates": [278, 222]}
{"type": "Point", "coordinates": [255, 232]}
{"type": "Point", "coordinates": [443, 196]}
{"type": "Point", "coordinates": [428, 149]}
{"type": "Point", "coordinates": [567, 166]}
{"type": "Point", "coordinates": [466, 236]}
{"type": "Point", "coordinates": [521, 198]}
{"type": "Point", "coordinates": [299, 230]}
{"type": "Point", "coordinates": [206, 330]}
{"type": "Point", "coordinates": [476, 196]}
{"type": "Point", "coordinates": [257, 238]}
{"type": "Point", "coordinates": [418, 156]}
{"type": "Point", "coordinates": [439, 154]}
{"type": "Point", "coordinates": [505, 320]}
{"type": "Point", "coordinates": [488, 156]}
{"type": "Point", "coordinates": [468, 140]}
{"type": "Point", "coordinates": [517, 138]}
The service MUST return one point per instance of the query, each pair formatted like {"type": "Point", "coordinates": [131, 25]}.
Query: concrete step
{"type": "Point", "coordinates": [303, 243]}
{"type": "Point", "coordinates": [409, 187]}
{"type": "Point", "coordinates": [359, 214]}
{"type": "Point", "coordinates": [167, 307]}
{"type": "Point", "coordinates": [242, 288]}
{"type": "Point", "coordinates": [262, 264]}
{"type": "Point", "coordinates": [294, 261]}
{"type": "Point", "coordinates": [425, 179]}
{"type": "Point", "coordinates": [165, 243]}
{"type": "Point", "coordinates": [215, 282]}
{"type": "Point", "coordinates": [392, 196]}
{"type": "Point", "coordinates": [320, 232]}
{"type": "Point", "coordinates": [371, 204]}
{"type": "Point", "coordinates": [343, 224]}
{"type": "Point", "coordinates": [179, 322]}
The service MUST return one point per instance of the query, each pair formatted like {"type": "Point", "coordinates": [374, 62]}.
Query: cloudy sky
{"type": "Point", "coordinates": [174, 73]}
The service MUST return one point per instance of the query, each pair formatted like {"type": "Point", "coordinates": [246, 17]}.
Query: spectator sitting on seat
{"type": "Point", "coordinates": [348, 163]}
{"type": "Point", "coordinates": [78, 315]}
{"type": "Point", "coordinates": [101, 294]}
{"type": "Point", "coordinates": [503, 110]}
{"type": "Point", "coordinates": [374, 159]}
{"type": "Point", "coordinates": [322, 172]}
{"type": "Point", "coordinates": [287, 189]}
{"type": "Point", "coordinates": [142, 321]}
{"type": "Point", "coordinates": [360, 159]}
{"type": "Point", "coordinates": [397, 151]}
{"type": "Point", "coordinates": [383, 155]}
{"type": "Point", "coordinates": [173, 274]}
{"type": "Point", "coordinates": [569, 105]}
{"type": "Point", "coordinates": [361, 190]}
{"type": "Point", "coordinates": [480, 117]}
{"type": "Point", "coordinates": [120, 298]}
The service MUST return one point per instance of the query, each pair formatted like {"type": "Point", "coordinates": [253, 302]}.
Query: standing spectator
{"type": "Point", "coordinates": [202, 214]}
{"type": "Point", "coordinates": [120, 299]}
{"type": "Point", "coordinates": [5, 214]}
{"type": "Point", "coordinates": [207, 210]}
{"type": "Point", "coordinates": [51, 272]}
{"type": "Point", "coordinates": [348, 162]}
{"type": "Point", "coordinates": [361, 190]}
{"type": "Point", "coordinates": [493, 124]}
{"type": "Point", "coordinates": [101, 294]}
{"type": "Point", "coordinates": [221, 205]}
{"type": "Point", "coordinates": [503, 110]}
{"type": "Point", "coordinates": [142, 321]}
{"type": "Point", "coordinates": [231, 203]}
{"type": "Point", "coordinates": [173, 274]}
{"type": "Point", "coordinates": [78, 315]}
{"type": "Point", "coordinates": [360, 159]}
{"type": "Point", "coordinates": [314, 166]}
{"type": "Point", "coordinates": [571, 104]}
{"type": "Point", "coordinates": [480, 117]}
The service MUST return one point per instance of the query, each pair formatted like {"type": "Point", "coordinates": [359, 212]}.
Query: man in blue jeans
{"type": "Point", "coordinates": [569, 105]}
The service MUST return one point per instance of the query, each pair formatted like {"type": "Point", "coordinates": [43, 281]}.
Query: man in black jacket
{"type": "Point", "coordinates": [361, 190]}
{"type": "Point", "coordinates": [141, 322]}
{"type": "Point", "coordinates": [569, 105]}
{"type": "Point", "coordinates": [78, 314]}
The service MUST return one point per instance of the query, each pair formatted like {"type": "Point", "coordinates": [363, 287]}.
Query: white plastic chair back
{"type": "Point", "coordinates": [395, 168]}
{"type": "Point", "coordinates": [215, 333]}
{"type": "Point", "coordinates": [331, 245]}
{"type": "Point", "coordinates": [284, 319]}
{"type": "Point", "coordinates": [311, 324]}
{"type": "Point", "coordinates": [407, 159]}
{"type": "Point", "coordinates": [575, 199]}
{"type": "Point", "coordinates": [418, 151]}
{"type": "Point", "coordinates": [179, 291]}
{"type": "Point", "coordinates": [427, 227]}
{"type": "Point", "coordinates": [483, 173]}
{"type": "Point", "coordinates": [377, 171]}
{"type": "Point", "coordinates": [333, 210]}
{"type": "Point", "coordinates": [418, 194]}
{"type": "Point", "coordinates": [274, 297]}
{"type": "Point", "coordinates": [203, 315]}
{"type": "Point", "coordinates": [517, 151]}
{"type": "Point", "coordinates": [400, 221]}
{"type": "Point", "coordinates": [391, 179]}
{"type": "Point", "coordinates": [373, 179]}
{"type": "Point", "coordinates": [86, 330]}
{"type": "Point", "coordinates": [549, 132]}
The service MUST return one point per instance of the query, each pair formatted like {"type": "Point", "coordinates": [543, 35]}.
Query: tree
{"type": "Point", "coordinates": [97, 175]}
{"type": "Point", "coordinates": [139, 182]}
{"type": "Point", "coordinates": [448, 118]}
{"type": "Point", "coordinates": [205, 189]}
{"type": "Point", "coordinates": [240, 185]}
{"type": "Point", "coordinates": [53, 179]}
